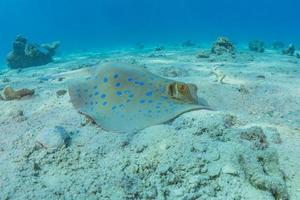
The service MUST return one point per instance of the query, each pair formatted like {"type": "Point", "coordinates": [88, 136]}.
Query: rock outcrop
{"type": "Point", "coordinates": [290, 50]}
{"type": "Point", "coordinates": [25, 54]}
{"type": "Point", "coordinates": [257, 46]}
{"type": "Point", "coordinates": [223, 45]}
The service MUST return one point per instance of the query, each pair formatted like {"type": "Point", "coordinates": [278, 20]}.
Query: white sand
{"type": "Point", "coordinates": [199, 155]}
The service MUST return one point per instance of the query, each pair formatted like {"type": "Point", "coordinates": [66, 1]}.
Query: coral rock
{"type": "Point", "coordinates": [257, 135]}
{"type": "Point", "coordinates": [290, 50]}
{"type": "Point", "coordinates": [25, 54]}
{"type": "Point", "coordinates": [223, 45]}
{"type": "Point", "coordinates": [11, 94]}
{"type": "Point", "coordinates": [257, 46]}
{"type": "Point", "coordinates": [265, 174]}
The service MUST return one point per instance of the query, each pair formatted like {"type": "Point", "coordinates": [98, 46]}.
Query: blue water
{"type": "Point", "coordinates": [95, 24]}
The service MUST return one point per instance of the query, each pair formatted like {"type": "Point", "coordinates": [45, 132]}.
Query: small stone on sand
{"type": "Point", "coordinates": [61, 92]}
{"type": "Point", "coordinates": [52, 138]}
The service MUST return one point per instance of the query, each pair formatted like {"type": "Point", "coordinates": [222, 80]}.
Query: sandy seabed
{"type": "Point", "coordinates": [247, 147]}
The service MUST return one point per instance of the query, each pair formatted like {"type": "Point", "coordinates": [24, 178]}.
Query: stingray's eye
{"type": "Point", "coordinates": [182, 88]}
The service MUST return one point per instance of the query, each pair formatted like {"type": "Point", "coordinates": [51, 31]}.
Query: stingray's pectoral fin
{"type": "Point", "coordinates": [76, 94]}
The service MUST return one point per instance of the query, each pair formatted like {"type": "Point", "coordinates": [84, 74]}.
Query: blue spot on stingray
{"type": "Point", "coordinates": [164, 97]}
{"type": "Point", "coordinates": [127, 92]}
{"type": "Point", "coordinates": [105, 80]}
{"type": "Point", "coordinates": [150, 93]}
{"type": "Point", "coordinates": [141, 83]}
{"type": "Point", "coordinates": [130, 79]}
{"type": "Point", "coordinates": [118, 84]}
{"type": "Point", "coordinates": [128, 100]}
{"type": "Point", "coordinates": [104, 103]}
{"type": "Point", "coordinates": [103, 96]}
{"type": "Point", "coordinates": [142, 101]}
{"type": "Point", "coordinates": [116, 75]}
{"type": "Point", "coordinates": [96, 93]}
{"type": "Point", "coordinates": [161, 89]}
{"type": "Point", "coordinates": [158, 107]}
{"type": "Point", "coordinates": [119, 93]}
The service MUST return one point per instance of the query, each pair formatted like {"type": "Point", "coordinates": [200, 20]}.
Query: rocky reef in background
{"type": "Point", "coordinates": [223, 45]}
{"type": "Point", "coordinates": [25, 54]}
{"type": "Point", "coordinates": [257, 46]}
{"type": "Point", "coordinates": [290, 50]}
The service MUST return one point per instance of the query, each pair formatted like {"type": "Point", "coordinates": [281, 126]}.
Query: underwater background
{"type": "Point", "coordinates": [150, 99]}
{"type": "Point", "coordinates": [97, 24]}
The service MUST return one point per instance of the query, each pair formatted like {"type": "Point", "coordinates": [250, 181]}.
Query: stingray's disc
{"type": "Point", "coordinates": [123, 97]}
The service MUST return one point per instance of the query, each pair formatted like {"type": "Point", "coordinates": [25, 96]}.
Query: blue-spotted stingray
{"type": "Point", "coordinates": [123, 97]}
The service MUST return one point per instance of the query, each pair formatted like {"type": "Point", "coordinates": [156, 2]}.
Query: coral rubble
{"type": "Point", "coordinates": [257, 46]}
{"type": "Point", "coordinates": [11, 94]}
{"type": "Point", "coordinates": [219, 75]}
{"type": "Point", "coordinates": [25, 54]}
{"type": "Point", "coordinates": [223, 45]}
